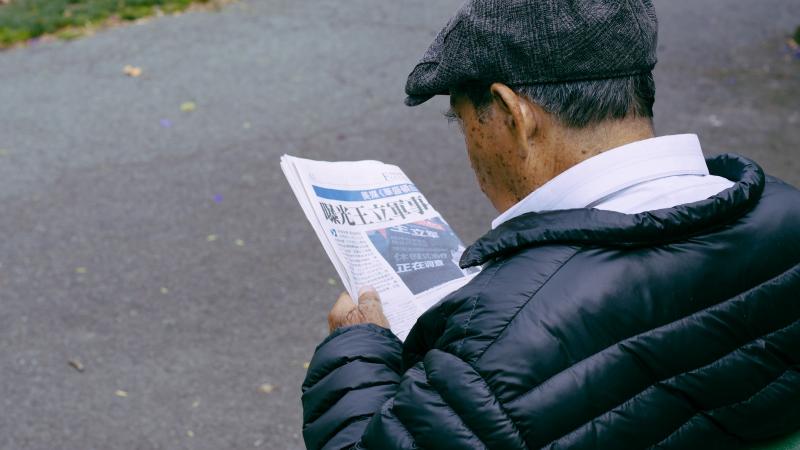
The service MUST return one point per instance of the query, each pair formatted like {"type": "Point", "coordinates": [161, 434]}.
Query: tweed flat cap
{"type": "Point", "coordinates": [519, 42]}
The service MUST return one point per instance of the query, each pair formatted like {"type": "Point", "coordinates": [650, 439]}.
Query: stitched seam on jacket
{"type": "Point", "coordinates": [475, 299]}
{"type": "Point", "coordinates": [734, 404]}
{"type": "Point", "coordinates": [682, 373]}
{"type": "Point", "coordinates": [540, 385]}
{"type": "Point", "coordinates": [447, 405]}
{"type": "Point", "coordinates": [466, 323]}
{"type": "Point", "coordinates": [522, 307]}
{"type": "Point", "coordinates": [483, 352]}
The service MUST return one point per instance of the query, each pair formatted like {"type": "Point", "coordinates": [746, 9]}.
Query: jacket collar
{"type": "Point", "coordinates": [598, 227]}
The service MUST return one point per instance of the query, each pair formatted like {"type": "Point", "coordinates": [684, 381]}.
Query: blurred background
{"type": "Point", "coordinates": [160, 287]}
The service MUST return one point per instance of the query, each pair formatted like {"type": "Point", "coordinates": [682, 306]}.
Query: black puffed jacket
{"type": "Point", "coordinates": [671, 329]}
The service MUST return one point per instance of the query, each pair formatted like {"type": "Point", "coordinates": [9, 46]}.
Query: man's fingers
{"type": "Point", "coordinates": [343, 306]}
{"type": "Point", "coordinates": [369, 310]}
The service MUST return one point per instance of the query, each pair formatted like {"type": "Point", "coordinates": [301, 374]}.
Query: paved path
{"type": "Point", "coordinates": [163, 249]}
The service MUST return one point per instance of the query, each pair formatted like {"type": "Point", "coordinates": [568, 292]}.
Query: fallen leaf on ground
{"type": "Point", "coordinates": [120, 393]}
{"type": "Point", "coordinates": [306, 365]}
{"type": "Point", "coordinates": [240, 243]}
{"type": "Point", "coordinates": [332, 281]}
{"type": "Point", "coordinates": [80, 270]}
{"type": "Point", "coordinates": [188, 106]}
{"type": "Point", "coordinates": [164, 290]}
{"type": "Point", "coordinates": [266, 388]}
{"type": "Point", "coordinates": [211, 237]}
{"type": "Point", "coordinates": [132, 71]}
{"type": "Point", "coordinates": [190, 433]}
{"type": "Point", "coordinates": [75, 364]}
{"type": "Point", "coordinates": [195, 403]}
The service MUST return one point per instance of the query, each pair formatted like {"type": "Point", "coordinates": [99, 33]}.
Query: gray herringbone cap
{"type": "Point", "coordinates": [519, 42]}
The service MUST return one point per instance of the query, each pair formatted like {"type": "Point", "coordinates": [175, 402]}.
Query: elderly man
{"type": "Point", "coordinates": [633, 294]}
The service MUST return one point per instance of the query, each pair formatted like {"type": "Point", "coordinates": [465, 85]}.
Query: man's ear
{"type": "Point", "coordinates": [520, 117]}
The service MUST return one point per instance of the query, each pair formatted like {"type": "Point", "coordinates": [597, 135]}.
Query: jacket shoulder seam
{"type": "Point", "coordinates": [526, 302]}
{"type": "Point", "coordinates": [474, 298]}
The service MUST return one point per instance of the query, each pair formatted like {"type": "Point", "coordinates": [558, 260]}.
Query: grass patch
{"type": "Point", "coordinates": [21, 20]}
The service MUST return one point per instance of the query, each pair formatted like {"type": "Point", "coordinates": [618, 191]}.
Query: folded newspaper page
{"type": "Point", "coordinates": [379, 230]}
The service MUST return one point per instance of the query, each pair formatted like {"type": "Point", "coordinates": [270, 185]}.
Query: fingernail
{"type": "Point", "coordinates": [365, 289]}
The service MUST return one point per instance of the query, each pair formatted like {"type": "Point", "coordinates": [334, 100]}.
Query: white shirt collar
{"type": "Point", "coordinates": [612, 171]}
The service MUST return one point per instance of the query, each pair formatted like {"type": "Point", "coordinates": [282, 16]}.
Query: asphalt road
{"type": "Point", "coordinates": [164, 251]}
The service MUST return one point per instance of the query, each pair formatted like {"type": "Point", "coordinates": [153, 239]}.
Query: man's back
{"type": "Point", "coordinates": [593, 329]}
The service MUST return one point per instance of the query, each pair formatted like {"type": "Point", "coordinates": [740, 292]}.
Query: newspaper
{"type": "Point", "coordinates": [379, 230]}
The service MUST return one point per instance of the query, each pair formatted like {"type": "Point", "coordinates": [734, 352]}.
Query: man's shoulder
{"type": "Point", "coordinates": [576, 279]}
{"type": "Point", "coordinates": [776, 216]}
{"type": "Point", "coordinates": [781, 195]}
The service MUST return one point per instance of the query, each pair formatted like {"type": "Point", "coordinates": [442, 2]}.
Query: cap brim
{"type": "Point", "coordinates": [414, 100]}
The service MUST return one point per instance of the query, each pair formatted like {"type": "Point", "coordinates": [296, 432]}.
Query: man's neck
{"type": "Point", "coordinates": [577, 146]}
{"type": "Point", "coordinates": [567, 147]}
{"type": "Point", "coordinates": [563, 148]}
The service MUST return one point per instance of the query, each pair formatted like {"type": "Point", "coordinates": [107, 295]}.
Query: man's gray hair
{"type": "Point", "coordinates": [579, 104]}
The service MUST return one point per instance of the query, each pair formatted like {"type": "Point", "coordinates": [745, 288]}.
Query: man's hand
{"type": "Point", "coordinates": [369, 310]}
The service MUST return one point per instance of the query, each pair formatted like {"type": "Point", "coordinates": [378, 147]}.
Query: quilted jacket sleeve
{"type": "Point", "coordinates": [352, 374]}
{"type": "Point", "coordinates": [355, 397]}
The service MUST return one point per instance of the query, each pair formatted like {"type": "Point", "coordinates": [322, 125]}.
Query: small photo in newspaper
{"type": "Point", "coordinates": [424, 254]}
